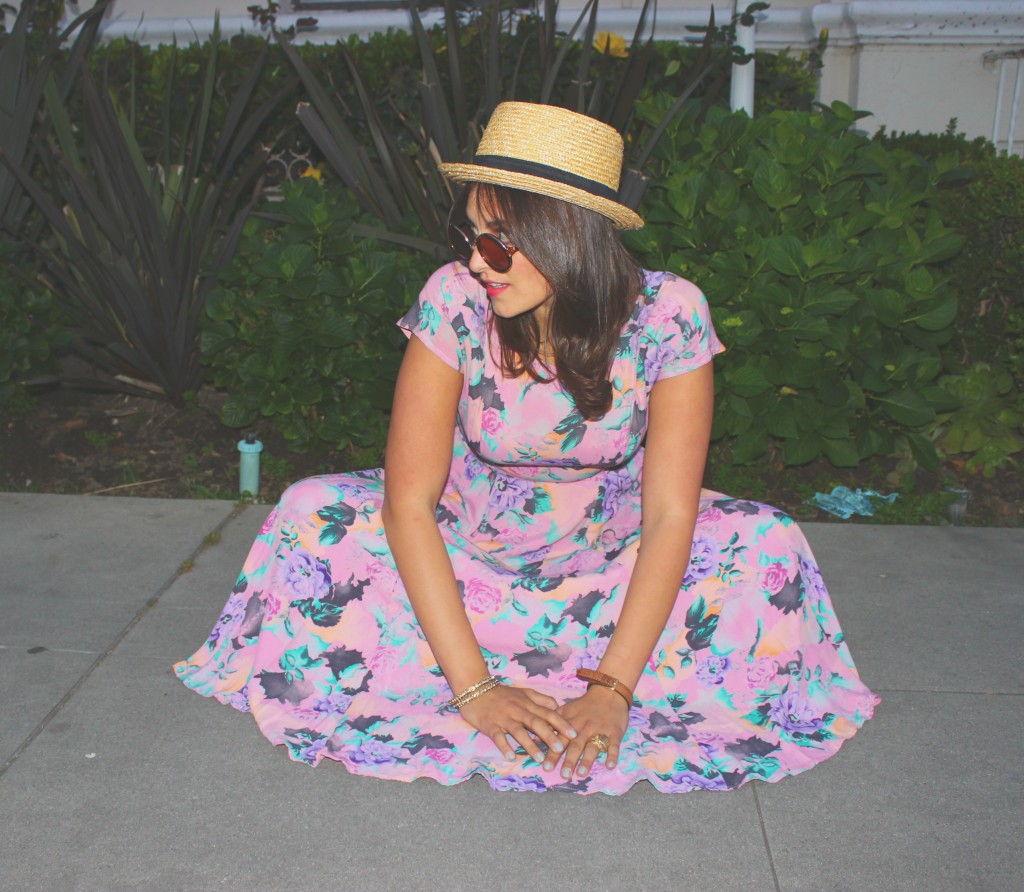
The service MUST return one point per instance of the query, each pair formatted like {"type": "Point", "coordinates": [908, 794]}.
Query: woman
{"type": "Point", "coordinates": [535, 588]}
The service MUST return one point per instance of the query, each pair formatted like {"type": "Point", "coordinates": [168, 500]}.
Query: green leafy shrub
{"type": "Point", "coordinates": [985, 203]}
{"type": "Point", "coordinates": [820, 251]}
{"type": "Point", "coordinates": [984, 431]}
{"type": "Point", "coordinates": [301, 331]}
{"type": "Point", "coordinates": [989, 272]}
{"type": "Point", "coordinates": [31, 330]}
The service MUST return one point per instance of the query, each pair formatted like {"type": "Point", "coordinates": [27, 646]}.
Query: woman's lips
{"type": "Point", "coordinates": [494, 288]}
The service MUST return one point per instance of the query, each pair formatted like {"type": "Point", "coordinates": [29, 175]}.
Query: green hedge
{"type": "Point", "coordinates": [821, 254]}
{"type": "Point", "coordinates": [31, 330]}
{"type": "Point", "coordinates": [985, 356]}
{"type": "Point", "coordinates": [302, 330]}
{"type": "Point", "coordinates": [389, 63]}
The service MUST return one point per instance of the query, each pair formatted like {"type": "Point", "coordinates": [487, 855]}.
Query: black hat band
{"type": "Point", "coordinates": [546, 172]}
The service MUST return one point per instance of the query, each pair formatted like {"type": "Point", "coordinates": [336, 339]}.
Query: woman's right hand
{"type": "Point", "coordinates": [526, 716]}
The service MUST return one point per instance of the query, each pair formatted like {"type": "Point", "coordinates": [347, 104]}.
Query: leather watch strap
{"type": "Point", "coordinates": [593, 676]}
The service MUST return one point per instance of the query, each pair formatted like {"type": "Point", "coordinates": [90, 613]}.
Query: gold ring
{"type": "Point", "coordinates": [600, 741]}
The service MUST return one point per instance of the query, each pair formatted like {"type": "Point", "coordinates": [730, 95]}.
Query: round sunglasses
{"type": "Point", "coordinates": [495, 253]}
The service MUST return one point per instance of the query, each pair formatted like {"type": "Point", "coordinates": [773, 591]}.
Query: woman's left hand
{"type": "Point", "coordinates": [599, 711]}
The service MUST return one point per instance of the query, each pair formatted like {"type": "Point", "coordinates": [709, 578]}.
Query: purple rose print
{"type": "Point", "coordinates": [795, 714]}
{"type": "Point", "coordinates": [337, 703]}
{"type": "Point", "coordinates": [306, 576]}
{"type": "Point", "coordinates": [684, 781]}
{"type": "Point", "coordinates": [594, 652]}
{"type": "Point", "coordinates": [616, 485]}
{"type": "Point", "coordinates": [655, 278]}
{"type": "Point", "coordinates": [239, 699]}
{"type": "Point", "coordinates": [708, 741]}
{"type": "Point", "coordinates": [655, 361]}
{"type": "Point", "coordinates": [313, 751]}
{"type": "Point", "coordinates": [814, 585]}
{"type": "Point", "coordinates": [474, 467]}
{"type": "Point", "coordinates": [520, 784]}
{"type": "Point", "coordinates": [638, 718]}
{"type": "Point", "coordinates": [703, 560]}
{"type": "Point", "coordinates": [375, 752]}
{"type": "Point", "coordinates": [230, 619]}
{"type": "Point", "coordinates": [711, 670]}
{"type": "Point", "coordinates": [510, 493]}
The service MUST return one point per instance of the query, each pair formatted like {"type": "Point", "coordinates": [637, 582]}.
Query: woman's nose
{"type": "Point", "coordinates": [476, 263]}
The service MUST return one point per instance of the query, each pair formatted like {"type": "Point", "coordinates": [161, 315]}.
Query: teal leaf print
{"type": "Point", "coordinates": [322, 613]}
{"type": "Point", "coordinates": [337, 518]}
{"type": "Point", "coordinates": [542, 634]}
{"type": "Point", "coordinates": [298, 658]}
{"type": "Point", "coordinates": [572, 428]}
{"type": "Point", "coordinates": [702, 627]}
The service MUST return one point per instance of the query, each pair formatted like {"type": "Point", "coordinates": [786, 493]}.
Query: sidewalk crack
{"type": "Point", "coordinates": [186, 565]}
{"type": "Point", "coordinates": [764, 836]}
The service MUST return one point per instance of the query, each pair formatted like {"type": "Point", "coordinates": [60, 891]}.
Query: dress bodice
{"type": "Point", "coordinates": [531, 480]}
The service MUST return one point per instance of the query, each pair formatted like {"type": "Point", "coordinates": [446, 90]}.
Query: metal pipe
{"type": "Point", "coordinates": [741, 91]}
{"type": "Point", "coordinates": [999, 103]}
{"type": "Point", "coordinates": [1013, 107]}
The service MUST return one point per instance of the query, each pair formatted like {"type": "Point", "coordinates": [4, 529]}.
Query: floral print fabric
{"type": "Point", "coordinates": [751, 677]}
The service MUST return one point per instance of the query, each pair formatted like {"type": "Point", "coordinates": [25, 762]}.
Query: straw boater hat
{"type": "Point", "coordinates": [551, 151]}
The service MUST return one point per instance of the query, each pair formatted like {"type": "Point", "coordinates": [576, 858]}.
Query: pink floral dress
{"type": "Point", "coordinates": [751, 677]}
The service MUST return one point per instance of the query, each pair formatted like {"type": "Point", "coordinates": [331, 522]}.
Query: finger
{"type": "Point", "coordinates": [500, 740]}
{"type": "Point", "coordinates": [572, 757]}
{"type": "Point", "coordinates": [590, 753]}
{"type": "Point", "coordinates": [612, 759]}
{"type": "Point", "coordinates": [522, 736]}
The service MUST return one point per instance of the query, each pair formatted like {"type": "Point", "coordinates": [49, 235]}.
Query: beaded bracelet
{"type": "Point", "coordinates": [474, 691]}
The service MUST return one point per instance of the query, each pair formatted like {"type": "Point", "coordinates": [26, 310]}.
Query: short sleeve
{"type": "Point", "coordinates": [680, 325]}
{"type": "Point", "coordinates": [438, 316]}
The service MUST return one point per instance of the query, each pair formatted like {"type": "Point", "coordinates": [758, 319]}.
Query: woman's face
{"type": "Point", "coordinates": [520, 290]}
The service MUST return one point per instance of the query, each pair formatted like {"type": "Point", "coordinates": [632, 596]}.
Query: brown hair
{"type": "Point", "coordinates": [594, 283]}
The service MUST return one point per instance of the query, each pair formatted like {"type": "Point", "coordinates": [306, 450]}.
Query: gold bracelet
{"type": "Point", "coordinates": [478, 693]}
{"type": "Point", "coordinates": [474, 691]}
{"type": "Point", "coordinates": [485, 680]}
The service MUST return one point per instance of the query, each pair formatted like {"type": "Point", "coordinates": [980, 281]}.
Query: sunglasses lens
{"type": "Point", "coordinates": [494, 253]}
{"type": "Point", "coordinates": [459, 242]}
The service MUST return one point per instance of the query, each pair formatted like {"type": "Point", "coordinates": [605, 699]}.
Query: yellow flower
{"type": "Point", "coordinates": [612, 44]}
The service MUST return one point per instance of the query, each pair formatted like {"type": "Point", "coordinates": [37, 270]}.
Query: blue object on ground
{"type": "Point", "coordinates": [844, 502]}
{"type": "Point", "coordinates": [249, 465]}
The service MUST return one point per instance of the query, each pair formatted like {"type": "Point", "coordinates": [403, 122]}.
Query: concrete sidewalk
{"type": "Point", "coordinates": [114, 776]}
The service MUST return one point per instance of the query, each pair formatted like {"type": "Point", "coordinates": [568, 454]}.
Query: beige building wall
{"type": "Point", "coordinates": [915, 64]}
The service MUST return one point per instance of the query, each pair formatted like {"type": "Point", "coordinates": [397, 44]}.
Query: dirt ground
{"type": "Point", "coordinates": [108, 444]}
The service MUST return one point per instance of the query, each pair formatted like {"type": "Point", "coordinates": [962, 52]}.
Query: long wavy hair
{"type": "Point", "coordinates": [594, 285]}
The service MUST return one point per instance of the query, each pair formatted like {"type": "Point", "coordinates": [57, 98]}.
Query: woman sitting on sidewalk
{"type": "Point", "coordinates": [535, 588]}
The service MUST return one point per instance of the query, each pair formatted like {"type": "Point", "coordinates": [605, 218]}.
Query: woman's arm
{"type": "Point", "coordinates": [417, 461]}
{"type": "Point", "coordinates": [419, 453]}
{"type": "Point", "coordinates": [676, 450]}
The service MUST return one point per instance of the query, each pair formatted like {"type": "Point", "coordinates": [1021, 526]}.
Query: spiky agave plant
{"type": "Point", "coordinates": [134, 247]}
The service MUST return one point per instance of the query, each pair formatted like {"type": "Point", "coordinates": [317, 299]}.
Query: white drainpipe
{"type": "Point", "coordinates": [741, 93]}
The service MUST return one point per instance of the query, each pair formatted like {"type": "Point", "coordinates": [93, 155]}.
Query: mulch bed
{"type": "Point", "coordinates": [111, 444]}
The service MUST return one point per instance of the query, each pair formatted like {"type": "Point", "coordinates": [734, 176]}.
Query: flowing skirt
{"type": "Point", "coordinates": [751, 678]}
